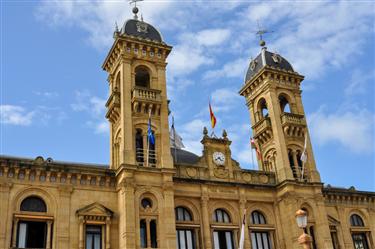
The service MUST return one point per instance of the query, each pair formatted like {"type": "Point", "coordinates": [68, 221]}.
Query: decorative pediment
{"type": "Point", "coordinates": [95, 209]}
{"type": "Point", "coordinates": [332, 221]}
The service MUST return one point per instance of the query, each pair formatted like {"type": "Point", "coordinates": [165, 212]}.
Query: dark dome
{"type": "Point", "coordinates": [183, 156]}
{"type": "Point", "coordinates": [141, 29]}
{"type": "Point", "coordinates": [269, 59]}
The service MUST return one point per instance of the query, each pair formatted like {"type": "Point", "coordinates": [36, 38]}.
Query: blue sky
{"type": "Point", "coordinates": [53, 89]}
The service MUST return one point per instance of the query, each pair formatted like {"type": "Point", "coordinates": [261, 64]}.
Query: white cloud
{"type": "Point", "coordinates": [231, 69]}
{"type": "Point", "coordinates": [352, 130]}
{"type": "Point", "coordinates": [212, 37]}
{"type": "Point", "coordinates": [16, 115]}
{"type": "Point", "coordinates": [225, 99]}
{"type": "Point", "coordinates": [97, 18]}
{"type": "Point", "coordinates": [359, 81]}
{"type": "Point", "coordinates": [47, 95]}
{"type": "Point", "coordinates": [316, 36]}
{"type": "Point", "coordinates": [95, 108]}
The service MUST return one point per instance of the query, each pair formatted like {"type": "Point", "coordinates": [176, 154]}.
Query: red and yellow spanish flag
{"type": "Point", "coordinates": [212, 116]}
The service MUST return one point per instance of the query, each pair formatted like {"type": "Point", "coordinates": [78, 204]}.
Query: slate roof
{"type": "Point", "coordinates": [184, 157]}
{"type": "Point", "coordinates": [141, 29]}
{"type": "Point", "coordinates": [266, 58]}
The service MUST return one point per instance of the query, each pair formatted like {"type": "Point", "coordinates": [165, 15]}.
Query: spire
{"type": "Point", "coordinates": [135, 9]}
{"type": "Point", "coordinates": [260, 32]}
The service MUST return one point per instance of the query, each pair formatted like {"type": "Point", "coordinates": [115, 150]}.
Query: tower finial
{"type": "Point", "coordinates": [260, 32]}
{"type": "Point", "coordinates": [135, 9]}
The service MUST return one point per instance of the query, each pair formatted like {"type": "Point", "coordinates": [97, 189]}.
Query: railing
{"type": "Point", "coordinates": [291, 118]}
{"type": "Point", "coordinates": [262, 124]}
{"type": "Point", "coordinates": [141, 157]}
{"type": "Point", "coordinates": [141, 93]}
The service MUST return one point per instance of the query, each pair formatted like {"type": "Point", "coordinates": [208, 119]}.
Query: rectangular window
{"type": "Point", "coordinates": [335, 241]}
{"type": "Point", "coordinates": [185, 239]}
{"type": "Point", "coordinates": [153, 235]}
{"type": "Point", "coordinates": [360, 241]}
{"type": "Point", "coordinates": [93, 237]}
{"type": "Point", "coordinates": [32, 234]}
{"type": "Point", "coordinates": [260, 240]}
{"type": "Point", "coordinates": [223, 240]}
{"type": "Point", "coordinates": [143, 234]}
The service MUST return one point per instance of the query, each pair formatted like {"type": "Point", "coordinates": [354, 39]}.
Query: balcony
{"type": "Point", "coordinates": [263, 130]}
{"type": "Point", "coordinates": [113, 105]}
{"type": "Point", "coordinates": [293, 124]}
{"type": "Point", "coordinates": [145, 100]}
{"type": "Point", "coordinates": [145, 94]}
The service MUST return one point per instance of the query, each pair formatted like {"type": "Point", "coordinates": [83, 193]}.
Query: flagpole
{"type": "Point", "coordinates": [252, 157]}
{"type": "Point", "coordinates": [147, 152]}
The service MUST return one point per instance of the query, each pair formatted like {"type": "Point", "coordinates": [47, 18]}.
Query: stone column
{"type": "Point", "coordinates": [81, 235]}
{"type": "Point", "coordinates": [206, 222]}
{"type": "Point", "coordinates": [148, 233]}
{"type": "Point", "coordinates": [108, 233]}
{"type": "Point", "coordinates": [15, 226]}
{"type": "Point", "coordinates": [49, 227]}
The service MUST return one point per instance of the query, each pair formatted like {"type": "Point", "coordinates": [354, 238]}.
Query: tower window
{"type": "Point", "coordinates": [139, 146]}
{"type": "Point", "coordinates": [142, 77]}
{"type": "Point", "coordinates": [284, 104]}
{"type": "Point", "coordinates": [263, 108]}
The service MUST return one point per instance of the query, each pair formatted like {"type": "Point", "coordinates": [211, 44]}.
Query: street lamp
{"type": "Point", "coordinates": [304, 239]}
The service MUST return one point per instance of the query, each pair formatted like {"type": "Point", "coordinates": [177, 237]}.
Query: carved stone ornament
{"type": "Point", "coordinates": [220, 172]}
{"type": "Point", "coordinates": [191, 172]}
{"type": "Point", "coordinates": [246, 177]}
{"type": "Point", "coordinates": [276, 58]}
{"type": "Point", "coordinates": [253, 64]}
{"type": "Point", "coordinates": [142, 27]}
{"type": "Point", "coordinates": [263, 179]}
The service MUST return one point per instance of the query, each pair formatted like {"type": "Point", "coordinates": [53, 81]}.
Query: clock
{"type": "Point", "coordinates": [218, 158]}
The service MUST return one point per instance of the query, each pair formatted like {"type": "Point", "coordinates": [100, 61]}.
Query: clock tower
{"type": "Point", "coordinates": [217, 156]}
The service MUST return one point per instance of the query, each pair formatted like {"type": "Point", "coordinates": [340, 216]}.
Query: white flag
{"type": "Point", "coordinates": [242, 236]}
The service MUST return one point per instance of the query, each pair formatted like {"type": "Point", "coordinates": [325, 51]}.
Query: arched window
{"type": "Point", "coordinates": [356, 221]}
{"type": "Point", "coordinates": [185, 234]}
{"type": "Point", "coordinates": [142, 77]}
{"type": "Point", "coordinates": [257, 218]}
{"type": "Point", "coordinates": [284, 104]}
{"type": "Point", "coordinates": [221, 216]}
{"type": "Point", "coordinates": [148, 223]}
{"type": "Point", "coordinates": [359, 233]}
{"type": "Point", "coordinates": [33, 204]}
{"type": "Point", "coordinates": [261, 238]}
{"type": "Point", "coordinates": [263, 108]}
{"type": "Point", "coordinates": [139, 146]}
{"type": "Point", "coordinates": [223, 238]}
{"type": "Point", "coordinates": [182, 214]}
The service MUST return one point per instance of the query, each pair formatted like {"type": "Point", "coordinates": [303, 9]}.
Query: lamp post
{"type": "Point", "coordinates": [304, 239]}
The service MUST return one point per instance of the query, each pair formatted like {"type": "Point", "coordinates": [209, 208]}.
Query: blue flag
{"type": "Point", "coordinates": [150, 135]}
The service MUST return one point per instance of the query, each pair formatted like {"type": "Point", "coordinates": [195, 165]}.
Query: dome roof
{"type": "Point", "coordinates": [266, 58]}
{"type": "Point", "coordinates": [141, 29]}
{"type": "Point", "coordinates": [184, 157]}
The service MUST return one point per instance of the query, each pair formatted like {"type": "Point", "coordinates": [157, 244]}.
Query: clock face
{"type": "Point", "coordinates": [218, 158]}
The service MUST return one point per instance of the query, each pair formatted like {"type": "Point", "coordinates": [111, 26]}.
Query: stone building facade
{"type": "Point", "coordinates": [152, 196]}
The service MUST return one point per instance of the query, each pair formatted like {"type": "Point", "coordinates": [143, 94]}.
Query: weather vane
{"type": "Point", "coordinates": [135, 9]}
{"type": "Point", "coordinates": [260, 32]}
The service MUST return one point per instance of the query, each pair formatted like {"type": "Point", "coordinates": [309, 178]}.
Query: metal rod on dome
{"type": "Point", "coordinates": [260, 32]}
{"type": "Point", "coordinates": [135, 9]}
